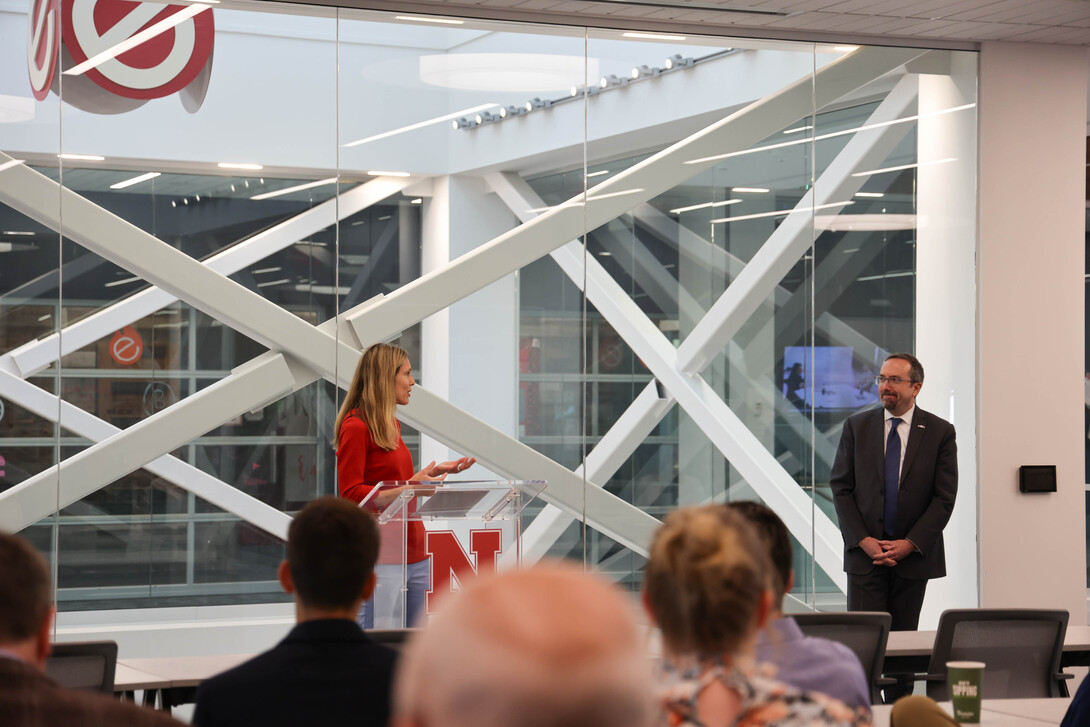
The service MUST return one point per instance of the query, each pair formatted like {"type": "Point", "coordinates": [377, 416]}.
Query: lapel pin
{"type": "Point", "coordinates": [921, 426]}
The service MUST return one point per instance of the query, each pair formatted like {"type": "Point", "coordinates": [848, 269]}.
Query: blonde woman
{"type": "Point", "coordinates": [707, 588]}
{"type": "Point", "coordinates": [370, 450]}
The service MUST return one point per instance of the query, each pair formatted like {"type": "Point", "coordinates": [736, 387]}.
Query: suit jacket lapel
{"type": "Point", "coordinates": [915, 436]}
{"type": "Point", "coordinates": [878, 425]}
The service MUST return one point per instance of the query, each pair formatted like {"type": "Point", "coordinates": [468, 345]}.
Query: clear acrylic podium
{"type": "Point", "coordinates": [470, 527]}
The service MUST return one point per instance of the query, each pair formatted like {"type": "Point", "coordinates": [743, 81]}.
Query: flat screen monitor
{"type": "Point", "coordinates": [825, 377]}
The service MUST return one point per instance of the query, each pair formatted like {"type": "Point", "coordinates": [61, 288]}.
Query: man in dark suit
{"type": "Point", "coordinates": [28, 698]}
{"type": "Point", "coordinates": [894, 481]}
{"type": "Point", "coordinates": [327, 671]}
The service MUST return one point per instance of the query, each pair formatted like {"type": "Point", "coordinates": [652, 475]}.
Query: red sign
{"type": "Point", "coordinates": [126, 346]}
{"type": "Point", "coordinates": [161, 65]}
{"type": "Point", "coordinates": [43, 43]}
{"type": "Point", "coordinates": [450, 563]}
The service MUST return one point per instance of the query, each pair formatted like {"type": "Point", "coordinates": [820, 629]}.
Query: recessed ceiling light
{"type": "Point", "coordinates": [598, 174]}
{"type": "Point", "coordinates": [240, 165]}
{"type": "Point", "coordinates": [16, 232]}
{"type": "Point", "coordinates": [751, 190]}
{"type": "Point", "coordinates": [869, 194]}
{"type": "Point", "coordinates": [296, 188]}
{"type": "Point", "coordinates": [135, 180]}
{"type": "Point", "coordinates": [653, 36]}
{"type": "Point", "coordinates": [418, 200]}
{"type": "Point", "coordinates": [690, 208]}
{"type": "Point", "coordinates": [418, 19]}
{"type": "Point", "coordinates": [375, 173]}
{"type": "Point", "coordinates": [83, 157]}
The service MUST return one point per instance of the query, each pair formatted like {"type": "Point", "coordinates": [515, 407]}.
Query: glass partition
{"type": "Point", "coordinates": [654, 271]}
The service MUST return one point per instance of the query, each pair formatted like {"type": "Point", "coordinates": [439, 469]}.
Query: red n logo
{"type": "Point", "coordinates": [450, 563]}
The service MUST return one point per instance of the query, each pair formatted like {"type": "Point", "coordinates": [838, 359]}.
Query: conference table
{"type": "Point", "coordinates": [1001, 712]}
{"type": "Point", "coordinates": [910, 651]}
{"type": "Point", "coordinates": [170, 681]}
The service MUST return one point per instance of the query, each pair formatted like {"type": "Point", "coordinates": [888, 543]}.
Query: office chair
{"type": "Point", "coordinates": [84, 665]}
{"type": "Point", "coordinates": [864, 632]}
{"type": "Point", "coordinates": [1021, 650]}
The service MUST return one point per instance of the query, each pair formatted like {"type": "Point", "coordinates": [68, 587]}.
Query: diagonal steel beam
{"type": "Point", "coordinates": [867, 148]}
{"type": "Point", "coordinates": [724, 429]}
{"type": "Point", "coordinates": [39, 354]}
{"type": "Point", "coordinates": [323, 354]}
{"type": "Point", "coordinates": [102, 463]}
{"type": "Point", "coordinates": [663, 171]}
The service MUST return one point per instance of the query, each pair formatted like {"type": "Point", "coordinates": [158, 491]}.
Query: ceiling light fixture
{"type": "Point", "coordinates": [17, 232]}
{"type": "Point", "coordinates": [418, 200]}
{"type": "Point", "coordinates": [750, 190]}
{"type": "Point", "coordinates": [869, 194]}
{"type": "Point", "coordinates": [798, 129]}
{"type": "Point", "coordinates": [143, 14]}
{"type": "Point", "coordinates": [653, 36]}
{"type": "Point", "coordinates": [419, 19]}
{"type": "Point", "coordinates": [377, 173]}
{"type": "Point", "coordinates": [422, 124]}
{"type": "Point", "coordinates": [82, 157]}
{"type": "Point", "coordinates": [781, 213]}
{"type": "Point", "coordinates": [598, 173]}
{"type": "Point", "coordinates": [240, 165]}
{"type": "Point", "coordinates": [296, 188]}
{"type": "Point", "coordinates": [135, 180]}
{"type": "Point", "coordinates": [690, 208]}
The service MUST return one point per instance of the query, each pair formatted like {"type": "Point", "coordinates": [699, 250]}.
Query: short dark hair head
{"type": "Point", "coordinates": [332, 549]}
{"type": "Point", "coordinates": [915, 370]}
{"type": "Point", "coordinates": [773, 533]}
{"type": "Point", "coordinates": [25, 595]}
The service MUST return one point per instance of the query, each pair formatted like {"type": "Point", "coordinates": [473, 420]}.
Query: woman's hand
{"type": "Point", "coordinates": [452, 467]}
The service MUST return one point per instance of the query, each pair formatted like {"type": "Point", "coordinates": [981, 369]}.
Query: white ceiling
{"type": "Point", "coordinates": [941, 23]}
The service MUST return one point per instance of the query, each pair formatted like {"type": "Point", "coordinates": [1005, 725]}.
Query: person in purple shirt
{"type": "Point", "coordinates": [804, 662]}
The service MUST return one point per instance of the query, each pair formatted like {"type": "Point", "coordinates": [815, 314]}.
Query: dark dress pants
{"type": "Point", "coordinates": [883, 589]}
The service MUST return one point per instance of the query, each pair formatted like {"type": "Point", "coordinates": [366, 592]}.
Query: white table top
{"type": "Point", "coordinates": [128, 679]}
{"type": "Point", "coordinates": [1001, 712]}
{"type": "Point", "coordinates": [181, 671]}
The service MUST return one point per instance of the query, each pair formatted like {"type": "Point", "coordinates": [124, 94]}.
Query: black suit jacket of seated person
{"type": "Point", "coordinates": [326, 672]}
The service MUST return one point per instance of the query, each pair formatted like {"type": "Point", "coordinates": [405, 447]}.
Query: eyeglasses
{"type": "Point", "coordinates": [895, 380]}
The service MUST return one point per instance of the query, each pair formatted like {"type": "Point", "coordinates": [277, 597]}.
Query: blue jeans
{"type": "Point", "coordinates": [388, 596]}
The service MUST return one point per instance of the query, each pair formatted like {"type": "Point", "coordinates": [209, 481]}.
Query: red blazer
{"type": "Point", "coordinates": [360, 465]}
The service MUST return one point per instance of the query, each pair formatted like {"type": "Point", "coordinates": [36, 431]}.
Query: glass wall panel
{"type": "Point", "coordinates": [662, 272]}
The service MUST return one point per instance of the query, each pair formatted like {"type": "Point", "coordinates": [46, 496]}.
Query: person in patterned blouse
{"type": "Point", "coordinates": [707, 589]}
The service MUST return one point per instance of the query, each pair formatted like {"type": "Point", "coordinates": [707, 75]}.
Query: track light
{"type": "Point", "coordinates": [677, 61]}
{"type": "Point", "coordinates": [642, 72]}
{"type": "Point", "coordinates": [610, 80]}
{"type": "Point", "coordinates": [537, 103]}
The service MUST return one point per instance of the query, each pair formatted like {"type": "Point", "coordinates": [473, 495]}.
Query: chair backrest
{"type": "Point", "coordinates": [84, 665]}
{"type": "Point", "coordinates": [394, 638]}
{"type": "Point", "coordinates": [864, 632]}
{"type": "Point", "coordinates": [1021, 650]}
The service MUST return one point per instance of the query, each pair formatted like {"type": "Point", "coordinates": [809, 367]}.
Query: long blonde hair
{"type": "Point", "coordinates": [704, 581]}
{"type": "Point", "coordinates": [372, 393]}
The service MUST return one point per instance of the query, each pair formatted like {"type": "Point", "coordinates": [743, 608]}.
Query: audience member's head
{"type": "Point", "coordinates": [26, 606]}
{"type": "Point", "coordinates": [546, 647]}
{"type": "Point", "coordinates": [773, 533]}
{"type": "Point", "coordinates": [331, 554]}
{"type": "Point", "coordinates": [706, 583]}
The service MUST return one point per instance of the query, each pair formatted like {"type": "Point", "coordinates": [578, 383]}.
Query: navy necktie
{"type": "Point", "coordinates": [893, 471]}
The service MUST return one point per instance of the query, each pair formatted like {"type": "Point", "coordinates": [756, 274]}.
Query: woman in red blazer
{"type": "Point", "coordinates": [370, 450]}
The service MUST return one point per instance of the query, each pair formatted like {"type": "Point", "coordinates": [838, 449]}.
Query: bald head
{"type": "Point", "coordinates": [546, 647]}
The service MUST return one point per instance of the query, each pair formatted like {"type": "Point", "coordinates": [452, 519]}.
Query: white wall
{"type": "Point", "coordinates": [1030, 333]}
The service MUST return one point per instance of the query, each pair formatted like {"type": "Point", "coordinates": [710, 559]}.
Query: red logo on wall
{"type": "Point", "coordinates": [43, 42]}
{"type": "Point", "coordinates": [126, 346]}
{"type": "Point", "coordinates": [164, 49]}
{"type": "Point", "coordinates": [451, 564]}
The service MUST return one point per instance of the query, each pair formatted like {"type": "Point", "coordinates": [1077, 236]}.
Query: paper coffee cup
{"type": "Point", "coordinates": [965, 679]}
